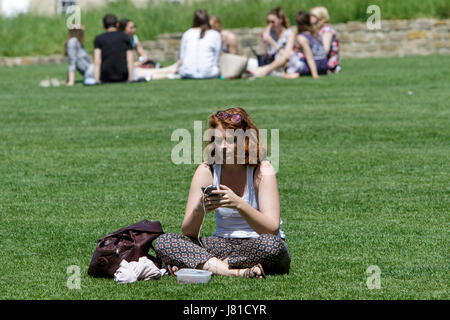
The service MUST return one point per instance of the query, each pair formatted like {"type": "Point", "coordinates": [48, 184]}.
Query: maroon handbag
{"type": "Point", "coordinates": [129, 243]}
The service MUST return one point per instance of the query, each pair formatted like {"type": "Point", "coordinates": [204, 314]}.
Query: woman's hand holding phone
{"type": "Point", "coordinates": [228, 199]}
{"type": "Point", "coordinates": [225, 197]}
{"type": "Point", "coordinates": [209, 199]}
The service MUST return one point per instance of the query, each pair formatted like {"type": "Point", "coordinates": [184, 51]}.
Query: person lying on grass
{"type": "Point", "coordinates": [249, 241]}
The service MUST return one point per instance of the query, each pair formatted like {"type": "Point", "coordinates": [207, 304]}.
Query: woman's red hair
{"type": "Point", "coordinates": [245, 124]}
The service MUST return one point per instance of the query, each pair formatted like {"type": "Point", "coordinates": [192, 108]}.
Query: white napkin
{"type": "Point", "coordinates": [133, 271]}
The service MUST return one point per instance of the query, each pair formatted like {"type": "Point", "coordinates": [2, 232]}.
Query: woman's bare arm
{"type": "Point", "coordinates": [140, 51]}
{"type": "Point", "coordinates": [130, 65]}
{"type": "Point", "coordinates": [304, 43]}
{"type": "Point", "coordinates": [71, 78]}
{"type": "Point", "coordinates": [265, 38]}
{"type": "Point", "coordinates": [326, 38]}
{"type": "Point", "coordinates": [193, 216]}
{"type": "Point", "coordinates": [232, 43]}
{"type": "Point", "coordinates": [97, 64]}
{"type": "Point", "coordinates": [290, 44]}
{"type": "Point", "coordinates": [267, 219]}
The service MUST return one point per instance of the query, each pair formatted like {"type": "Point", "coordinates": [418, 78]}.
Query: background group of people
{"type": "Point", "coordinates": [312, 50]}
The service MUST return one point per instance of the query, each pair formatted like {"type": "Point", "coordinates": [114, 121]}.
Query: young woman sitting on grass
{"type": "Point", "coordinates": [319, 18]}
{"type": "Point", "coordinates": [277, 41]}
{"type": "Point", "coordinates": [199, 53]}
{"type": "Point", "coordinates": [200, 49]}
{"type": "Point", "coordinates": [248, 241]}
{"type": "Point", "coordinates": [310, 57]}
{"type": "Point", "coordinates": [78, 57]}
{"type": "Point", "coordinates": [229, 39]}
{"type": "Point", "coordinates": [128, 27]}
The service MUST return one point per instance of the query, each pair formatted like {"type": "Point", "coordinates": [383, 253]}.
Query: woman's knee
{"type": "Point", "coordinates": [164, 240]}
{"type": "Point", "coordinates": [274, 245]}
{"type": "Point", "coordinates": [277, 257]}
{"type": "Point", "coordinates": [284, 56]}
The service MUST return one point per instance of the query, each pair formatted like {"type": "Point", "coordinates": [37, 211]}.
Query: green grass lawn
{"type": "Point", "coordinates": [363, 178]}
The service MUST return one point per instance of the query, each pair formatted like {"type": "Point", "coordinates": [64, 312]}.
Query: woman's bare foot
{"type": "Point", "coordinates": [291, 75]}
{"type": "Point", "coordinates": [260, 72]}
{"type": "Point", "coordinates": [253, 272]}
{"type": "Point", "coordinates": [172, 269]}
{"type": "Point", "coordinates": [222, 268]}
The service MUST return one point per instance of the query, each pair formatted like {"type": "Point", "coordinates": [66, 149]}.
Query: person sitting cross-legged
{"type": "Point", "coordinates": [277, 43]}
{"type": "Point", "coordinates": [249, 241]}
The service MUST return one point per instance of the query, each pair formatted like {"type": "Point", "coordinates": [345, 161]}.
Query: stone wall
{"type": "Point", "coordinates": [395, 38]}
{"type": "Point", "coordinates": [27, 61]}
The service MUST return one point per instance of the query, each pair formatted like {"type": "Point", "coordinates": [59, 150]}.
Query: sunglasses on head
{"type": "Point", "coordinates": [224, 116]}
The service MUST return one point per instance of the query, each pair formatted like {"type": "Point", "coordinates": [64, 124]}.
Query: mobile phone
{"type": "Point", "coordinates": [207, 190]}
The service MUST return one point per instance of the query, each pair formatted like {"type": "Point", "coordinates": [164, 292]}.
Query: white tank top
{"type": "Point", "coordinates": [230, 224]}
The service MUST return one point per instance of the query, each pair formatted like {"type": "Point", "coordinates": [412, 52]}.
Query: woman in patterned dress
{"type": "Point", "coordinates": [320, 18]}
{"type": "Point", "coordinates": [249, 241]}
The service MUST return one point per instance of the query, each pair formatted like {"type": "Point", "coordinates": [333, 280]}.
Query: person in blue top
{"type": "Point", "coordinates": [129, 27]}
{"type": "Point", "coordinates": [310, 57]}
{"type": "Point", "coordinates": [249, 241]}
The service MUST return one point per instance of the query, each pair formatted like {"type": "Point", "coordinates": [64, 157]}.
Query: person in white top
{"type": "Point", "coordinates": [199, 53]}
{"type": "Point", "coordinates": [248, 241]}
{"type": "Point", "coordinates": [200, 49]}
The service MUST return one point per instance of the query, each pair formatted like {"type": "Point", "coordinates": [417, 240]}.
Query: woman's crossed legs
{"type": "Point", "coordinates": [225, 256]}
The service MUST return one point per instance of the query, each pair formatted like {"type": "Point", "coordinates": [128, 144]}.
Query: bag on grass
{"type": "Point", "coordinates": [263, 59]}
{"type": "Point", "coordinates": [129, 244]}
{"type": "Point", "coordinates": [232, 66]}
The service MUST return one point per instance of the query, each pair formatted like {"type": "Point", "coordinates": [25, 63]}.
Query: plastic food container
{"type": "Point", "coordinates": [193, 276]}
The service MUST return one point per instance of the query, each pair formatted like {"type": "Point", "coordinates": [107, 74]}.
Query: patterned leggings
{"type": "Point", "coordinates": [185, 252]}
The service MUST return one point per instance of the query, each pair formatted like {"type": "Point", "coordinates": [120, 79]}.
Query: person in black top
{"type": "Point", "coordinates": [113, 55]}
